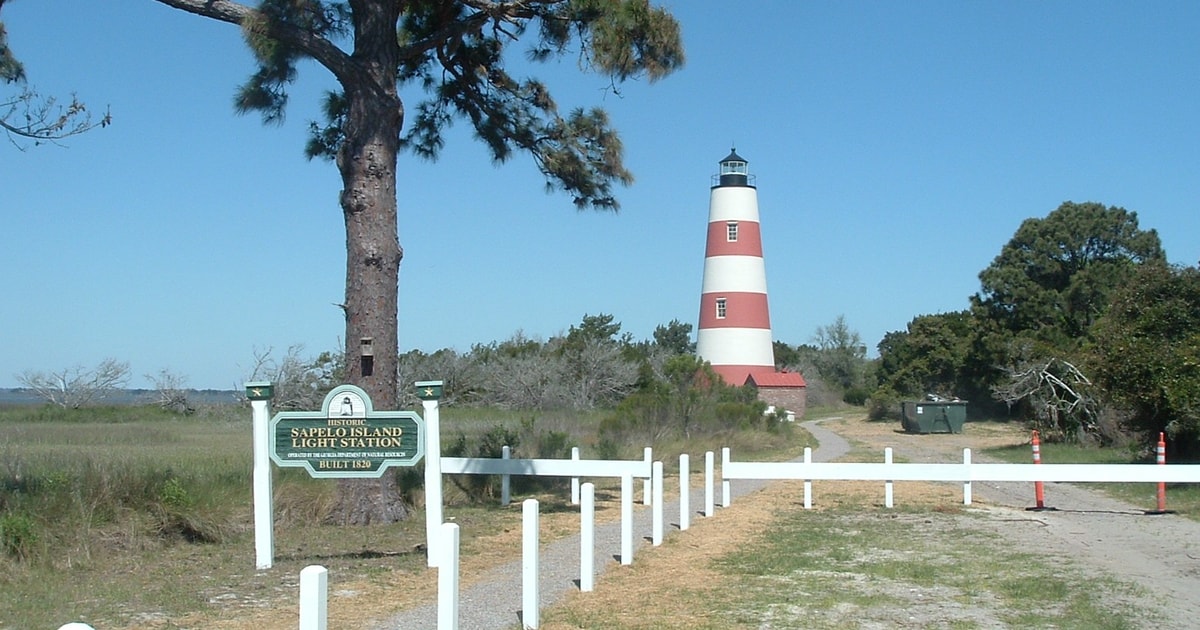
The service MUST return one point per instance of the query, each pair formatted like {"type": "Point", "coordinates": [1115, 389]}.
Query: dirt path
{"type": "Point", "coordinates": [1160, 553]}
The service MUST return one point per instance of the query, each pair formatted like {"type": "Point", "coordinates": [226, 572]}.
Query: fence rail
{"type": "Point", "coordinates": [1169, 473]}
{"type": "Point", "coordinates": [547, 467]}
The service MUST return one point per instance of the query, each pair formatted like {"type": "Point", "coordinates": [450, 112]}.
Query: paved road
{"type": "Point", "coordinates": [494, 603]}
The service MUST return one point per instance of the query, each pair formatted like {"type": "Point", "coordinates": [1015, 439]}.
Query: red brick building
{"type": "Point", "coordinates": [786, 391]}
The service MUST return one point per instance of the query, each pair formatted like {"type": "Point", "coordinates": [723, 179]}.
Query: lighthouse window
{"type": "Point", "coordinates": [720, 308]}
{"type": "Point", "coordinates": [731, 231]}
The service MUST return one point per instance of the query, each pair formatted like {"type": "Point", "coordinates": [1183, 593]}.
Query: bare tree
{"type": "Point", "coordinates": [1056, 394]}
{"type": "Point", "coordinates": [300, 383]}
{"type": "Point", "coordinates": [462, 377]}
{"type": "Point", "coordinates": [601, 374]}
{"type": "Point", "coordinates": [77, 386]}
{"type": "Point", "coordinates": [528, 381]}
{"type": "Point", "coordinates": [171, 392]}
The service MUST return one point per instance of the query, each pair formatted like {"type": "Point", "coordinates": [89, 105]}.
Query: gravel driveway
{"type": "Point", "coordinates": [1160, 553]}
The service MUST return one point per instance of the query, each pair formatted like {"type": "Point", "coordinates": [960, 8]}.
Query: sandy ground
{"type": "Point", "coordinates": [1160, 553]}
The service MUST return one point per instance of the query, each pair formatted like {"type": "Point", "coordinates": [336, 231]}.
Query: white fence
{"type": "Point", "coordinates": [965, 472]}
{"type": "Point", "coordinates": [314, 579]}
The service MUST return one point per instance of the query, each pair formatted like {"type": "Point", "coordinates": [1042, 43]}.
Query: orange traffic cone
{"type": "Point", "coordinates": [1161, 459]}
{"type": "Point", "coordinates": [1039, 490]}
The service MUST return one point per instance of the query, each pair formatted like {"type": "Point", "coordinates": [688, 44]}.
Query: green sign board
{"type": "Point", "coordinates": [260, 391]}
{"type": "Point", "coordinates": [347, 438]}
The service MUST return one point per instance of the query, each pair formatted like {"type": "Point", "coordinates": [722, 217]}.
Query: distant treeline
{"type": "Point", "coordinates": [24, 396]}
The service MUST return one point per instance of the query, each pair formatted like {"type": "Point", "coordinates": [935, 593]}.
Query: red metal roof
{"type": "Point", "coordinates": [778, 379]}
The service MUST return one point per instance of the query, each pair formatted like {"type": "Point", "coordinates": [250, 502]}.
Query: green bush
{"type": "Point", "coordinates": [490, 444]}
{"type": "Point", "coordinates": [174, 495]}
{"type": "Point", "coordinates": [856, 396]}
{"type": "Point", "coordinates": [18, 535]}
{"type": "Point", "coordinates": [884, 405]}
{"type": "Point", "coordinates": [179, 514]}
{"type": "Point", "coordinates": [548, 444]}
{"type": "Point", "coordinates": [607, 448]}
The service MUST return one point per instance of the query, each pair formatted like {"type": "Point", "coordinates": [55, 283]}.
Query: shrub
{"type": "Point", "coordinates": [884, 405]}
{"type": "Point", "coordinates": [174, 495]}
{"type": "Point", "coordinates": [177, 515]}
{"type": "Point", "coordinates": [18, 534]}
{"type": "Point", "coordinates": [856, 395]}
{"type": "Point", "coordinates": [491, 445]}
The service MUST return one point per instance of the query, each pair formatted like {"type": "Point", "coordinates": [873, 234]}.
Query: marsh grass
{"type": "Point", "coordinates": [132, 517]}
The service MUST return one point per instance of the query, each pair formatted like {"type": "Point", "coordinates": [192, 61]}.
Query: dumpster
{"type": "Point", "coordinates": [945, 416]}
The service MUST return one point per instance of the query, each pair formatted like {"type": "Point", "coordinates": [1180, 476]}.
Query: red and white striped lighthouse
{"type": "Point", "coordinates": [735, 325]}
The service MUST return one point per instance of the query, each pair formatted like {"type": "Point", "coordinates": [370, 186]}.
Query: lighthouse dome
{"type": "Point", "coordinates": [734, 170]}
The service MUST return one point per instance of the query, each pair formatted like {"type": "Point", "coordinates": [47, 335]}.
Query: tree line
{"type": "Point", "coordinates": [1080, 327]}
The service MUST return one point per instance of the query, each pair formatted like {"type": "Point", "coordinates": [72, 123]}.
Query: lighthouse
{"type": "Point", "coordinates": [735, 325]}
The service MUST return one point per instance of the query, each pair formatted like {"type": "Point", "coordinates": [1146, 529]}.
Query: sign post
{"type": "Point", "coordinates": [346, 438]}
{"type": "Point", "coordinates": [259, 394]}
{"type": "Point", "coordinates": [430, 392]}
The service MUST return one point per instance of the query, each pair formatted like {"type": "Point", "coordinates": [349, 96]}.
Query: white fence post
{"type": "Point", "coordinates": [685, 510]}
{"type": "Point", "coordinates": [709, 504]}
{"type": "Point", "coordinates": [448, 578]}
{"type": "Point", "coordinates": [887, 484]}
{"type": "Point", "coordinates": [264, 519]}
{"type": "Point", "coordinates": [587, 539]}
{"type": "Point", "coordinates": [314, 597]}
{"type": "Point", "coordinates": [657, 520]}
{"type": "Point", "coordinates": [808, 482]}
{"type": "Point", "coordinates": [648, 457]}
{"type": "Point", "coordinates": [530, 562]}
{"type": "Point", "coordinates": [627, 519]}
{"type": "Point", "coordinates": [505, 480]}
{"type": "Point", "coordinates": [967, 483]}
{"type": "Point", "coordinates": [725, 490]}
{"type": "Point", "coordinates": [574, 480]}
{"type": "Point", "coordinates": [433, 480]}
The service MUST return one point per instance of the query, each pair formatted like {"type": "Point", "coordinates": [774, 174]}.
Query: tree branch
{"type": "Point", "coordinates": [319, 48]}
{"type": "Point", "coordinates": [44, 120]}
{"type": "Point", "coordinates": [485, 11]}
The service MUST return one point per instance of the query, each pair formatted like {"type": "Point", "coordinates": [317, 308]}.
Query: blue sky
{"type": "Point", "coordinates": [897, 147]}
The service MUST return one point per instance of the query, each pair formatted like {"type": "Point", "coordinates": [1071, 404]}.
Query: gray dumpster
{"type": "Point", "coordinates": [933, 417]}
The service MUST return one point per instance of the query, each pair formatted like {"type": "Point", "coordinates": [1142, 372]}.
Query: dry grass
{"type": "Point", "coordinates": [665, 588]}
{"type": "Point", "coordinates": [365, 592]}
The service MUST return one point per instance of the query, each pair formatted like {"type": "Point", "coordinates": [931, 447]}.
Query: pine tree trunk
{"type": "Point", "coordinates": [367, 161]}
